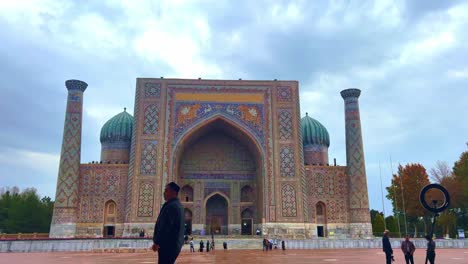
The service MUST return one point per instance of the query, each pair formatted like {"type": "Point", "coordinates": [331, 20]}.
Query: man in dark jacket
{"type": "Point", "coordinates": [387, 247]}
{"type": "Point", "coordinates": [168, 235]}
{"type": "Point", "coordinates": [430, 254]}
{"type": "Point", "coordinates": [408, 250]}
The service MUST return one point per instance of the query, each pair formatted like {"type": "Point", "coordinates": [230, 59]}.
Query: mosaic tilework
{"type": "Point", "coordinates": [251, 116]}
{"type": "Point", "coordinates": [64, 215]}
{"type": "Point", "coordinates": [152, 89]}
{"type": "Point", "coordinates": [285, 124]}
{"type": "Point", "coordinates": [145, 200]}
{"type": "Point", "coordinates": [99, 184]}
{"type": "Point", "coordinates": [288, 197]}
{"type": "Point", "coordinates": [112, 183]}
{"type": "Point", "coordinates": [148, 158]}
{"type": "Point", "coordinates": [215, 152]}
{"type": "Point", "coordinates": [284, 94]}
{"type": "Point", "coordinates": [355, 158]}
{"type": "Point", "coordinates": [67, 186]}
{"type": "Point", "coordinates": [133, 168]}
{"type": "Point", "coordinates": [222, 187]}
{"type": "Point", "coordinates": [327, 185]}
{"type": "Point", "coordinates": [287, 164]}
{"type": "Point", "coordinates": [150, 125]}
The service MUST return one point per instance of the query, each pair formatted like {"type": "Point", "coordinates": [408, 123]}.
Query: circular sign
{"type": "Point", "coordinates": [434, 208]}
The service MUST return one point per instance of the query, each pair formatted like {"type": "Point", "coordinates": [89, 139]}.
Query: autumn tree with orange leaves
{"type": "Point", "coordinates": [404, 190]}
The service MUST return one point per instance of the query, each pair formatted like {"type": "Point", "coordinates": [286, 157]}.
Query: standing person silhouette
{"type": "Point", "coordinates": [168, 237]}
{"type": "Point", "coordinates": [430, 254]}
{"type": "Point", "coordinates": [387, 247]}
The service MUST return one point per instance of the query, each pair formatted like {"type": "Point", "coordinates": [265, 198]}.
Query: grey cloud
{"type": "Point", "coordinates": [412, 112]}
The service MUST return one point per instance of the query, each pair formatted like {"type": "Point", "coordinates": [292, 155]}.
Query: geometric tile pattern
{"type": "Point", "coordinates": [152, 89]}
{"type": "Point", "coordinates": [67, 187]}
{"type": "Point", "coordinates": [133, 167]}
{"type": "Point", "coordinates": [287, 164]}
{"type": "Point", "coordinates": [148, 158]}
{"type": "Point", "coordinates": [145, 200]}
{"type": "Point", "coordinates": [150, 126]}
{"type": "Point", "coordinates": [98, 185]}
{"type": "Point", "coordinates": [320, 184]}
{"type": "Point", "coordinates": [285, 124]}
{"type": "Point", "coordinates": [329, 186]}
{"type": "Point", "coordinates": [288, 197]}
{"type": "Point", "coordinates": [355, 155]}
{"type": "Point", "coordinates": [284, 94]}
{"type": "Point", "coordinates": [250, 116]}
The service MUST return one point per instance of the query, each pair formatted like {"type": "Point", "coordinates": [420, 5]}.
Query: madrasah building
{"type": "Point", "coordinates": [239, 150]}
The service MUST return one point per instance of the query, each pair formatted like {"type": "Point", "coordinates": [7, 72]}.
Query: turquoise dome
{"type": "Point", "coordinates": [314, 133]}
{"type": "Point", "coordinates": [119, 128]}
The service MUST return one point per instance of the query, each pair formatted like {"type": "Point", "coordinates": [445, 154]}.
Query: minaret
{"type": "Point", "coordinates": [359, 215]}
{"type": "Point", "coordinates": [66, 197]}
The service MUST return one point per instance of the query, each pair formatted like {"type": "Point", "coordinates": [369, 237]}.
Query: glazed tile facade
{"type": "Point", "coordinates": [235, 148]}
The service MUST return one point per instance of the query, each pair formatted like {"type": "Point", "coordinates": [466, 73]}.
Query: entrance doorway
{"type": "Point", "coordinates": [188, 222]}
{"type": "Point", "coordinates": [110, 216]}
{"type": "Point", "coordinates": [109, 231]}
{"type": "Point", "coordinates": [321, 218]}
{"type": "Point", "coordinates": [217, 215]}
{"type": "Point", "coordinates": [320, 231]}
{"type": "Point", "coordinates": [247, 222]}
{"type": "Point", "coordinates": [246, 227]}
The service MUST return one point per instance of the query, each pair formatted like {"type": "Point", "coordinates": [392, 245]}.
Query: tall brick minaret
{"type": "Point", "coordinates": [66, 197]}
{"type": "Point", "coordinates": [359, 216]}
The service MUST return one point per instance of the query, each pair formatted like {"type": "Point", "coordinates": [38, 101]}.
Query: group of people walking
{"type": "Point", "coordinates": [268, 244]}
{"type": "Point", "coordinates": [209, 246]}
{"type": "Point", "coordinates": [408, 249]}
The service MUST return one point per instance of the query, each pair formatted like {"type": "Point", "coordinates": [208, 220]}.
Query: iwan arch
{"type": "Point", "coordinates": [240, 151]}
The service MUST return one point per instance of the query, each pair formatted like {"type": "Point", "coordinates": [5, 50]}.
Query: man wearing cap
{"type": "Point", "coordinates": [168, 235]}
{"type": "Point", "coordinates": [387, 247]}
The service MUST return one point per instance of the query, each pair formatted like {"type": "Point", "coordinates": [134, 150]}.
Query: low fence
{"type": "Point", "coordinates": [139, 244]}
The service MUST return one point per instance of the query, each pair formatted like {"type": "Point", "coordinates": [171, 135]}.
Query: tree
{"type": "Point", "coordinates": [440, 171]}
{"type": "Point", "coordinates": [448, 222]}
{"type": "Point", "coordinates": [391, 224]}
{"type": "Point", "coordinates": [378, 224]}
{"type": "Point", "coordinates": [24, 212]}
{"type": "Point", "coordinates": [460, 170]}
{"type": "Point", "coordinates": [373, 213]}
{"type": "Point", "coordinates": [404, 193]}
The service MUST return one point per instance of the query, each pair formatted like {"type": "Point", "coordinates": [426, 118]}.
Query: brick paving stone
{"type": "Point", "coordinates": [445, 256]}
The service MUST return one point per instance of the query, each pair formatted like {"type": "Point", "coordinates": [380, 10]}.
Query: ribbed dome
{"type": "Point", "coordinates": [118, 128]}
{"type": "Point", "coordinates": [314, 133]}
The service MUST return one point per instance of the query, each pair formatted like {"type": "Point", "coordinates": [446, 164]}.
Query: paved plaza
{"type": "Point", "coordinates": [445, 256]}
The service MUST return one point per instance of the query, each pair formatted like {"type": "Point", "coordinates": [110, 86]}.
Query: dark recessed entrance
{"type": "Point", "coordinates": [217, 215]}
{"type": "Point", "coordinates": [109, 231]}
{"type": "Point", "coordinates": [320, 231]}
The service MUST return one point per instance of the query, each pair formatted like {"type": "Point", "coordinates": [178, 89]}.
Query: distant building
{"type": "Point", "coordinates": [239, 150]}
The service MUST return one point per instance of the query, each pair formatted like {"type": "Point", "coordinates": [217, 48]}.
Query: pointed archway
{"type": "Point", "coordinates": [220, 155]}
{"type": "Point", "coordinates": [217, 216]}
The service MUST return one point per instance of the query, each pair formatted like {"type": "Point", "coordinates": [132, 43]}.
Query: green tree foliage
{"type": "Point", "coordinates": [24, 212]}
{"type": "Point", "coordinates": [378, 224]}
{"type": "Point", "coordinates": [373, 213]}
{"type": "Point", "coordinates": [391, 224]}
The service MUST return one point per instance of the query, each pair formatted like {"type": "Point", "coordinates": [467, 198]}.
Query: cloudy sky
{"type": "Point", "coordinates": [409, 58]}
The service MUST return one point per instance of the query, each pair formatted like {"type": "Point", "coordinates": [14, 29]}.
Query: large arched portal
{"type": "Point", "coordinates": [220, 157]}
